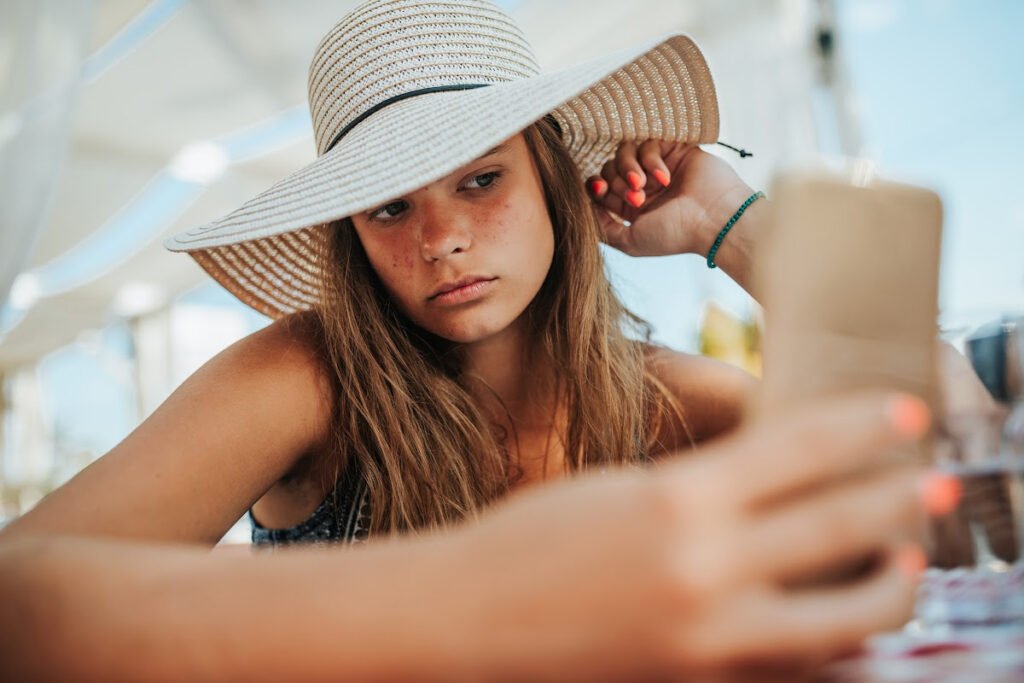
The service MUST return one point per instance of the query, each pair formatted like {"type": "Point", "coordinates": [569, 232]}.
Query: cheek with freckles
{"type": "Point", "coordinates": [402, 264]}
{"type": "Point", "coordinates": [525, 239]}
{"type": "Point", "coordinates": [494, 226]}
{"type": "Point", "coordinates": [394, 264]}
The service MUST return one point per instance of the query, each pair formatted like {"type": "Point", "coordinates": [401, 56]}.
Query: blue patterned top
{"type": "Point", "coordinates": [343, 517]}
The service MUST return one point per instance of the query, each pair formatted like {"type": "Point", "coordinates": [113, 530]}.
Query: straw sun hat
{"type": "Point", "coordinates": [404, 92]}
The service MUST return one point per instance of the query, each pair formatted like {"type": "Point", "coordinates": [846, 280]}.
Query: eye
{"type": "Point", "coordinates": [387, 211]}
{"type": "Point", "coordinates": [484, 180]}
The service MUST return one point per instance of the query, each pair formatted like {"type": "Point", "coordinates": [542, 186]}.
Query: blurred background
{"type": "Point", "coordinates": [124, 121]}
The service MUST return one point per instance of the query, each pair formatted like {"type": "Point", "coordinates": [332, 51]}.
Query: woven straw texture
{"type": "Point", "coordinates": [264, 252]}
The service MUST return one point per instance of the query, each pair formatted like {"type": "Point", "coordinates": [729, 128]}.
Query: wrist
{"type": "Point", "coordinates": [724, 232]}
{"type": "Point", "coordinates": [737, 248]}
{"type": "Point", "coordinates": [719, 214]}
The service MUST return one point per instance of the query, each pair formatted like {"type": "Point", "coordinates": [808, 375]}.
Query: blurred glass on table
{"type": "Point", "coordinates": [968, 624]}
{"type": "Point", "coordinates": [997, 354]}
{"type": "Point", "coordinates": [976, 577]}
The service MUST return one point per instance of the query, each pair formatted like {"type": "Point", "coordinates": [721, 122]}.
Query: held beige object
{"type": "Point", "coordinates": [850, 281]}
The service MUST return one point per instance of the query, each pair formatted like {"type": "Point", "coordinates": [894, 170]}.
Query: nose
{"type": "Point", "coordinates": [443, 232]}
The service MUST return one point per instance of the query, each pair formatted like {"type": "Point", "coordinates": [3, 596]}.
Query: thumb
{"type": "Point", "coordinates": [616, 234]}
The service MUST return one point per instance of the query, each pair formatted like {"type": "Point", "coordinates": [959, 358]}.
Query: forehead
{"type": "Point", "coordinates": [512, 151]}
{"type": "Point", "coordinates": [512, 147]}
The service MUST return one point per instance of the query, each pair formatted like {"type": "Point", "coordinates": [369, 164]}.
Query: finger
{"type": "Point", "coordinates": [811, 445]}
{"type": "Point", "coordinates": [840, 524]}
{"type": "Point", "coordinates": [610, 214]}
{"type": "Point", "coordinates": [618, 186]}
{"type": "Point", "coordinates": [820, 621]}
{"type": "Point", "coordinates": [597, 187]}
{"type": "Point", "coordinates": [617, 235]}
{"type": "Point", "coordinates": [674, 153]}
{"type": "Point", "coordinates": [840, 617]}
{"type": "Point", "coordinates": [610, 173]}
{"type": "Point", "coordinates": [823, 442]}
{"type": "Point", "coordinates": [622, 212]}
{"type": "Point", "coordinates": [628, 167]}
{"type": "Point", "coordinates": [612, 199]}
{"type": "Point", "coordinates": [650, 158]}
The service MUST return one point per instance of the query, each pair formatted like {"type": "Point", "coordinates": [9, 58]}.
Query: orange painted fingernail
{"type": "Point", "coordinates": [635, 197]}
{"type": "Point", "coordinates": [635, 181]}
{"type": "Point", "coordinates": [911, 560]}
{"type": "Point", "coordinates": [941, 493]}
{"type": "Point", "coordinates": [662, 177]}
{"type": "Point", "coordinates": [909, 415]}
{"type": "Point", "coordinates": [598, 187]}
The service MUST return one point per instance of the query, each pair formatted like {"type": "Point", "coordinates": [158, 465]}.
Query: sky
{"type": "Point", "coordinates": [941, 98]}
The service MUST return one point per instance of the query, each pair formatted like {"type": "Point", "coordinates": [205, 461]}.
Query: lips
{"type": "Point", "coordinates": [452, 287]}
{"type": "Point", "coordinates": [462, 290]}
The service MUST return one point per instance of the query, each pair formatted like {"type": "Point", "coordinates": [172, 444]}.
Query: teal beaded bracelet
{"type": "Point", "coordinates": [728, 226]}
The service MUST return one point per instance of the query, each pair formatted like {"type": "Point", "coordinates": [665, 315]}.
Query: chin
{"type": "Point", "coordinates": [468, 331]}
{"type": "Point", "coordinates": [473, 335]}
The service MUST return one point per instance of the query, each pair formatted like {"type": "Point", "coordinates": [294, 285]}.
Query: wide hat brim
{"type": "Point", "coordinates": [265, 251]}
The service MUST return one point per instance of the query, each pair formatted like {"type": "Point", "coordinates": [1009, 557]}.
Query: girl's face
{"type": "Point", "coordinates": [464, 256]}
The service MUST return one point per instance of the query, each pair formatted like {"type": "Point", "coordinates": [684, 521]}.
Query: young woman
{"type": "Point", "coordinates": [446, 336]}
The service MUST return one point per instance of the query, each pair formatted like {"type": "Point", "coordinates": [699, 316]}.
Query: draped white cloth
{"type": "Point", "coordinates": [44, 44]}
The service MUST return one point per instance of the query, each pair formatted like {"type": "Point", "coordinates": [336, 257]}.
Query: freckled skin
{"type": "Point", "coordinates": [457, 227]}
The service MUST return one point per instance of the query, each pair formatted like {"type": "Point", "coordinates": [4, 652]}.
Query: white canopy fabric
{"type": "Point", "coordinates": [36, 107]}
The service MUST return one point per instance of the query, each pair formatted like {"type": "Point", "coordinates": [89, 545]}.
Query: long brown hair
{"type": "Point", "coordinates": [429, 452]}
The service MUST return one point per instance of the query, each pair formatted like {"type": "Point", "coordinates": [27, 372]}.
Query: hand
{"type": "Point", "coordinates": [682, 216]}
{"type": "Point", "coordinates": [639, 574]}
{"type": "Point", "coordinates": [961, 391]}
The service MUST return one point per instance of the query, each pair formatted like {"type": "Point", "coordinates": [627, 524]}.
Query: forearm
{"type": "Point", "coordinates": [735, 256]}
{"type": "Point", "coordinates": [84, 609]}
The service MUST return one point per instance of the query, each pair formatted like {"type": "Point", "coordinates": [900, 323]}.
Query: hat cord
{"type": "Point", "coordinates": [742, 152]}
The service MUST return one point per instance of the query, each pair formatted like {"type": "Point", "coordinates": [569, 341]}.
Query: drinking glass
{"type": "Point", "coordinates": [976, 574]}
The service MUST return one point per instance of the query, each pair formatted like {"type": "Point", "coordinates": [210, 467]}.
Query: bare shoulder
{"type": "Point", "coordinates": [216, 445]}
{"type": "Point", "coordinates": [277, 371]}
{"type": "Point", "coordinates": [290, 346]}
{"type": "Point", "coordinates": [712, 394]}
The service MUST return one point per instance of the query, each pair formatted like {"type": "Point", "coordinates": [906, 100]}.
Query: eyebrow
{"type": "Point", "coordinates": [503, 147]}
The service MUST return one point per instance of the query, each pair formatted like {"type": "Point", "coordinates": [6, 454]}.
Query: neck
{"type": "Point", "coordinates": [502, 380]}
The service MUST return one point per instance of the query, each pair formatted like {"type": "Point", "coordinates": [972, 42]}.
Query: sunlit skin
{"type": "Point", "coordinates": [487, 220]}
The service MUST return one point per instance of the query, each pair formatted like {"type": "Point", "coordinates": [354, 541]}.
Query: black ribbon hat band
{"type": "Point", "coordinates": [446, 88]}
{"type": "Point", "coordinates": [398, 98]}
